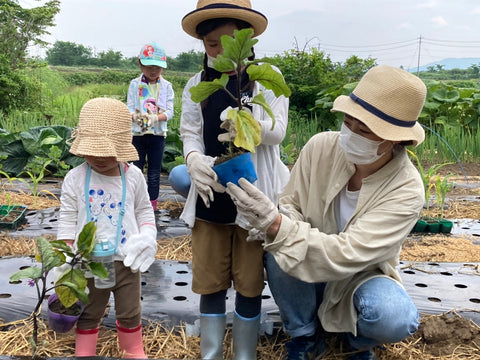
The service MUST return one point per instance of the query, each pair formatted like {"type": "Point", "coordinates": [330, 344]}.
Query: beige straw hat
{"type": "Point", "coordinates": [388, 100]}
{"type": "Point", "coordinates": [104, 130]}
{"type": "Point", "coordinates": [233, 9]}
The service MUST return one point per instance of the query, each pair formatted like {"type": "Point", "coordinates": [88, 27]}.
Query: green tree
{"type": "Point", "coordinates": [19, 28]}
{"type": "Point", "coordinates": [189, 61]}
{"type": "Point", "coordinates": [68, 53]}
{"type": "Point", "coordinates": [110, 58]}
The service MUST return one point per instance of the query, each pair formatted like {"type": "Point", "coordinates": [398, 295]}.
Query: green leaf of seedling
{"type": "Point", "coordinates": [268, 77]}
{"type": "Point", "coordinates": [47, 255]}
{"type": "Point", "coordinates": [70, 287]}
{"type": "Point", "coordinates": [248, 129]}
{"type": "Point", "coordinates": [86, 239]}
{"type": "Point", "coordinates": [206, 88]}
{"type": "Point", "coordinates": [97, 269]}
{"type": "Point", "coordinates": [236, 48]}
{"type": "Point", "coordinates": [32, 272]}
{"type": "Point", "coordinates": [61, 245]}
{"type": "Point", "coordinates": [259, 99]}
{"type": "Point", "coordinates": [224, 64]}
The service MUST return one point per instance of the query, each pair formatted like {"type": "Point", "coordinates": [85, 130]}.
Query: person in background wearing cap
{"type": "Point", "coordinates": [221, 253]}
{"type": "Point", "coordinates": [352, 199]}
{"type": "Point", "coordinates": [107, 190]}
{"type": "Point", "coordinates": [150, 101]}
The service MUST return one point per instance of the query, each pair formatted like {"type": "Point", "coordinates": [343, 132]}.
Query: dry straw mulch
{"type": "Point", "coordinates": [440, 337]}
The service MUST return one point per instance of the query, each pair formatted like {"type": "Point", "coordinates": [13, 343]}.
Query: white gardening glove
{"type": "Point", "coordinates": [227, 124]}
{"type": "Point", "coordinates": [205, 179]}
{"type": "Point", "coordinates": [151, 118]}
{"type": "Point", "coordinates": [140, 249]}
{"type": "Point", "coordinates": [137, 117]}
{"type": "Point", "coordinates": [253, 204]}
{"type": "Point", "coordinates": [255, 235]}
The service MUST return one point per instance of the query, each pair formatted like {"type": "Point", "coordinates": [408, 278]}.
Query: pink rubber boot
{"type": "Point", "coordinates": [154, 204]}
{"type": "Point", "coordinates": [86, 342]}
{"type": "Point", "coordinates": [131, 342]}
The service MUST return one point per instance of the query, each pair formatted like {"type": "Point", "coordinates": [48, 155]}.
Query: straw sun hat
{"type": "Point", "coordinates": [234, 9]}
{"type": "Point", "coordinates": [104, 130]}
{"type": "Point", "coordinates": [388, 100]}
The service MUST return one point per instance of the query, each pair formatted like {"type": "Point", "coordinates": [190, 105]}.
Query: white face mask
{"type": "Point", "coordinates": [210, 61]}
{"type": "Point", "coordinates": [358, 149]}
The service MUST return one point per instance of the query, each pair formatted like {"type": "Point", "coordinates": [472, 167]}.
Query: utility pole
{"type": "Point", "coordinates": [419, 50]}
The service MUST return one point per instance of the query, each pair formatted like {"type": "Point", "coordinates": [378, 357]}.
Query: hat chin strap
{"type": "Point", "coordinates": [379, 113]}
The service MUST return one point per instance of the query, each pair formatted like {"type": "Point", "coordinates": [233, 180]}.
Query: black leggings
{"type": "Point", "coordinates": [247, 307]}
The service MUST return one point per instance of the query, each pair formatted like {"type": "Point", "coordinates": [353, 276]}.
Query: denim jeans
{"type": "Point", "coordinates": [386, 314]}
{"type": "Point", "coordinates": [150, 150]}
{"type": "Point", "coordinates": [179, 179]}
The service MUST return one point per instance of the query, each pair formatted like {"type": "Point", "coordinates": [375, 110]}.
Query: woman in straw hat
{"type": "Point", "coordinates": [107, 190]}
{"type": "Point", "coordinates": [352, 199]}
{"type": "Point", "coordinates": [221, 252]}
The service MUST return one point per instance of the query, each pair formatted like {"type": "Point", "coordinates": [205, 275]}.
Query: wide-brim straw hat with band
{"type": "Point", "coordinates": [388, 100]}
{"type": "Point", "coordinates": [104, 130]}
{"type": "Point", "coordinates": [233, 9]}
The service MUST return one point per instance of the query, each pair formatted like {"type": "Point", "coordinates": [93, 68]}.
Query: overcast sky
{"type": "Point", "coordinates": [388, 30]}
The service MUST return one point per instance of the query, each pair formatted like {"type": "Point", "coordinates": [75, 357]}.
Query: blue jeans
{"type": "Point", "coordinates": [379, 303]}
{"type": "Point", "coordinates": [150, 149]}
{"type": "Point", "coordinates": [179, 179]}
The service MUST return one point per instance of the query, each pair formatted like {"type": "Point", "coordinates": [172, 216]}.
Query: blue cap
{"type": "Point", "coordinates": [153, 54]}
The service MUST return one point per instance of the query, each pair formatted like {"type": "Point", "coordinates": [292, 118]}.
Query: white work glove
{"type": "Point", "coordinates": [227, 124]}
{"type": "Point", "coordinates": [137, 117]}
{"type": "Point", "coordinates": [255, 235]}
{"type": "Point", "coordinates": [253, 204]}
{"type": "Point", "coordinates": [205, 179]}
{"type": "Point", "coordinates": [140, 249]}
{"type": "Point", "coordinates": [151, 118]}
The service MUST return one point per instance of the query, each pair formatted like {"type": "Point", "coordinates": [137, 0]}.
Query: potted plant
{"type": "Point", "coordinates": [70, 296]}
{"type": "Point", "coordinates": [236, 51]}
{"type": "Point", "coordinates": [431, 179]}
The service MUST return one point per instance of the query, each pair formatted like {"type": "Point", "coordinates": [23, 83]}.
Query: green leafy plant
{"type": "Point", "coordinates": [427, 178]}
{"type": "Point", "coordinates": [442, 186]}
{"type": "Point", "coordinates": [236, 51]}
{"type": "Point", "coordinates": [71, 285]}
{"type": "Point", "coordinates": [36, 171]}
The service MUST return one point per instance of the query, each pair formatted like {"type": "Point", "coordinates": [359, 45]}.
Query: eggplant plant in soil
{"type": "Point", "coordinates": [236, 51]}
{"type": "Point", "coordinates": [71, 286]}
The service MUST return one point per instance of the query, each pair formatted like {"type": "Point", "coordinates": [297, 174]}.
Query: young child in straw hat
{"type": "Point", "coordinates": [150, 101]}
{"type": "Point", "coordinates": [352, 199]}
{"type": "Point", "coordinates": [107, 190]}
{"type": "Point", "coordinates": [221, 253]}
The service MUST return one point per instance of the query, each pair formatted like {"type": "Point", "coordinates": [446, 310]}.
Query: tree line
{"type": "Point", "coordinates": [66, 53]}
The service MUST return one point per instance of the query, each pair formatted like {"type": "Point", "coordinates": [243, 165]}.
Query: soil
{"type": "Point", "coordinates": [57, 307]}
{"type": "Point", "coordinates": [443, 336]}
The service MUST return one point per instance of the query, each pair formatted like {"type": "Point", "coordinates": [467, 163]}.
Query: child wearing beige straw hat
{"type": "Point", "coordinates": [150, 101]}
{"type": "Point", "coordinates": [352, 199]}
{"type": "Point", "coordinates": [112, 193]}
{"type": "Point", "coordinates": [222, 255]}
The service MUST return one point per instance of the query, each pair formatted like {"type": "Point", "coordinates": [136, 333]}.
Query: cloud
{"type": "Point", "coordinates": [405, 26]}
{"type": "Point", "coordinates": [429, 4]}
{"type": "Point", "coordinates": [476, 10]}
{"type": "Point", "coordinates": [439, 21]}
